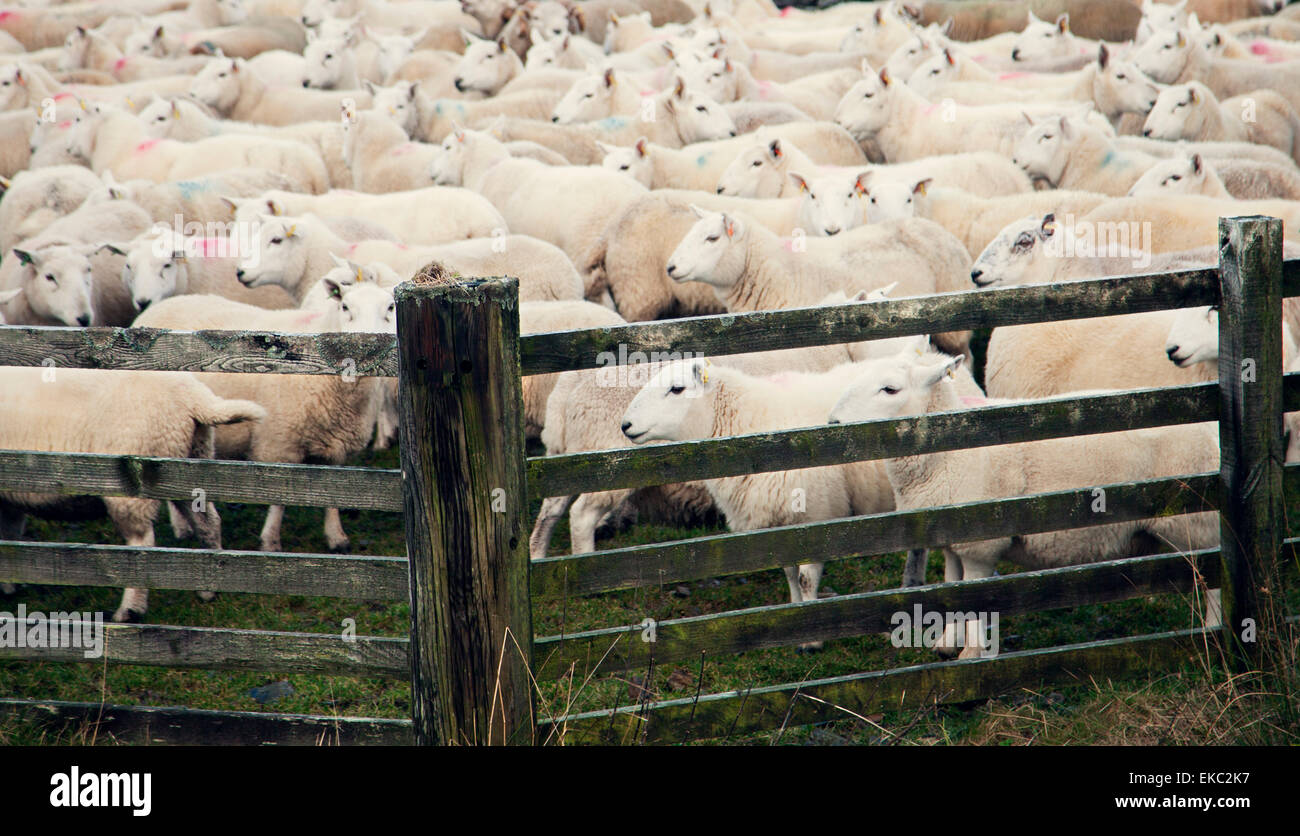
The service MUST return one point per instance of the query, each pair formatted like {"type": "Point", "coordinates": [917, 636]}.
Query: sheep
{"type": "Point", "coordinates": [1110, 20]}
{"type": "Point", "coordinates": [380, 156]}
{"type": "Point", "coordinates": [1192, 174]}
{"type": "Point", "coordinates": [198, 199]}
{"type": "Point", "coordinates": [689, 399]}
{"type": "Point", "coordinates": [1068, 154]}
{"type": "Point", "coordinates": [296, 252]}
{"type": "Point", "coordinates": [189, 121]}
{"type": "Point", "coordinates": [1191, 111]}
{"type": "Point", "coordinates": [585, 410]}
{"type": "Point", "coordinates": [678, 116]}
{"type": "Point", "coordinates": [701, 165]}
{"type": "Point", "coordinates": [35, 198]}
{"type": "Point", "coordinates": [1159, 17]}
{"type": "Point", "coordinates": [1042, 40]}
{"type": "Point", "coordinates": [320, 418]}
{"type": "Point", "coordinates": [330, 63]}
{"type": "Point", "coordinates": [163, 264]}
{"type": "Point", "coordinates": [907, 127]}
{"type": "Point", "coordinates": [435, 118]}
{"type": "Point", "coordinates": [561, 315]}
{"type": "Point", "coordinates": [167, 414]}
{"type": "Point", "coordinates": [726, 81]}
{"type": "Point", "coordinates": [91, 50]}
{"type": "Point", "coordinates": [973, 220]}
{"type": "Point", "coordinates": [1115, 87]}
{"type": "Point", "coordinates": [487, 66]}
{"type": "Point", "coordinates": [767, 170]}
{"type": "Point", "coordinates": [116, 141]}
{"type": "Point", "coordinates": [919, 385]}
{"type": "Point", "coordinates": [40, 28]}
{"type": "Point", "coordinates": [525, 191]}
{"type": "Point", "coordinates": [429, 215]}
{"type": "Point", "coordinates": [1170, 57]}
{"type": "Point", "coordinates": [750, 268]}
{"type": "Point", "coordinates": [233, 90]}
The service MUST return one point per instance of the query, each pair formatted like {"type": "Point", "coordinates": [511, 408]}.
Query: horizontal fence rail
{"type": "Point", "coordinates": [266, 573]}
{"type": "Point", "coordinates": [844, 616]}
{"type": "Point", "coordinates": [97, 474]}
{"type": "Point", "coordinates": [153, 349]}
{"type": "Point", "coordinates": [220, 648]}
{"type": "Point", "coordinates": [145, 725]}
{"type": "Point", "coordinates": [1066, 415]}
{"type": "Point", "coordinates": [858, 695]}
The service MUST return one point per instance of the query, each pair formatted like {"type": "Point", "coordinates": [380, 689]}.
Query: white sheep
{"type": "Point", "coordinates": [322, 418]}
{"type": "Point", "coordinates": [1192, 111]}
{"type": "Point", "coordinates": [691, 399]}
{"type": "Point", "coordinates": [1041, 40]}
{"type": "Point", "coordinates": [918, 385]}
{"type": "Point", "coordinates": [1170, 57]}
{"type": "Point", "coordinates": [1068, 154]}
{"type": "Point", "coordinates": [234, 90]}
{"type": "Point", "coordinates": [168, 414]}
{"type": "Point", "coordinates": [1245, 179]}
{"type": "Point", "coordinates": [37, 197]}
{"type": "Point", "coordinates": [487, 66]}
{"type": "Point", "coordinates": [677, 116]}
{"type": "Point", "coordinates": [750, 268]}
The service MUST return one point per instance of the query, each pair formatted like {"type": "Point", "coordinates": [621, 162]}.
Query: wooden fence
{"type": "Point", "coordinates": [465, 484]}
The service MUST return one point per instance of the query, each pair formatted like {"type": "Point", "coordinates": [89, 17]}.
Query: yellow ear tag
{"type": "Point", "coordinates": [130, 103]}
{"type": "Point", "coordinates": [291, 231]}
{"type": "Point", "coordinates": [359, 279]}
{"type": "Point", "coordinates": [82, 102]}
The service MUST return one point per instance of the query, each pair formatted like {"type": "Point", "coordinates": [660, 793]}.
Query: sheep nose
{"type": "Point", "coordinates": [306, 83]}
{"type": "Point", "coordinates": [1015, 54]}
{"type": "Point", "coordinates": [555, 118]}
{"type": "Point", "coordinates": [975, 275]}
{"type": "Point", "coordinates": [141, 304]}
{"type": "Point", "coordinates": [459, 84]}
{"type": "Point", "coordinates": [829, 231]}
{"type": "Point", "coordinates": [627, 425]}
{"type": "Point", "coordinates": [719, 190]}
{"type": "Point", "coordinates": [83, 320]}
{"type": "Point", "coordinates": [1146, 132]}
{"type": "Point", "coordinates": [672, 270]}
{"type": "Point", "coordinates": [1172, 351]}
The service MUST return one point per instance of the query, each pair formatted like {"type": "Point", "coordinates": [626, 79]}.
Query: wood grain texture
{"type": "Point", "coordinates": [144, 725]}
{"type": "Point", "coordinates": [772, 707]}
{"type": "Point", "coordinates": [153, 349]}
{"type": "Point", "coordinates": [365, 488]}
{"type": "Point", "coordinates": [771, 548]}
{"type": "Point", "coordinates": [233, 650]}
{"type": "Point", "coordinates": [460, 404]}
{"type": "Point", "coordinates": [1251, 445]}
{"type": "Point", "coordinates": [784, 625]}
{"type": "Point", "coordinates": [266, 573]}
{"type": "Point", "coordinates": [1069, 415]}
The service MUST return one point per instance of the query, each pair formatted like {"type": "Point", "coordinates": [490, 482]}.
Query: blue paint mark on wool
{"type": "Point", "coordinates": [188, 188]}
{"type": "Point", "coordinates": [612, 123]}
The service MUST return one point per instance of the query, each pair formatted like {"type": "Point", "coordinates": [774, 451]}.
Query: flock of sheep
{"type": "Point", "coordinates": [281, 165]}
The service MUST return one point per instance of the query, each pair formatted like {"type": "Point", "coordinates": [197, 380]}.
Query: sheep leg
{"type": "Point", "coordinates": [972, 645]}
{"type": "Point", "coordinates": [809, 577]}
{"type": "Point", "coordinates": [553, 507]}
{"type": "Point", "coordinates": [796, 589]}
{"type": "Point", "coordinates": [271, 528]}
{"type": "Point", "coordinates": [334, 533]}
{"type": "Point", "coordinates": [914, 568]}
{"type": "Point", "coordinates": [386, 419]}
{"type": "Point", "coordinates": [135, 600]}
{"type": "Point", "coordinates": [205, 525]}
{"type": "Point", "coordinates": [584, 518]}
{"type": "Point", "coordinates": [180, 523]}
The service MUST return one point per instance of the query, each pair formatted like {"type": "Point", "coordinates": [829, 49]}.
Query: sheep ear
{"type": "Point", "coordinates": [700, 371]}
{"type": "Point", "coordinates": [498, 127]}
{"type": "Point", "coordinates": [699, 213]}
{"type": "Point", "coordinates": [1182, 39]}
{"type": "Point", "coordinates": [502, 46]}
{"type": "Point", "coordinates": [1103, 56]}
{"type": "Point", "coordinates": [291, 231]}
{"type": "Point", "coordinates": [112, 248]}
{"type": "Point", "coordinates": [884, 76]}
{"type": "Point", "coordinates": [641, 147]}
{"type": "Point", "coordinates": [668, 50]}
{"type": "Point", "coordinates": [883, 292]}
{"type": "Point", "coordinates": [774, 149]}
{"type": "Point", "coordinates": [25, 258]}
{"type": "Point", "coordinates": [370, 86]}
{"type": "Point", "coordinates": [1191, 95]}
{"type": "Point", "coordinates": [340, 262]}
{"type": "Point", "coordinates": [1063, 23]}
{"type": "Point", "coordinates": [7, 296]}
{"type": "Point", "coordinates": [1196, 163]}
{"type": "Point", "coordinates": [679, 88]}
{"type": "Point", "coordinates": [731, 226]}
{"type": "Point", "coordinates": [799, 181]}
{"type": "Point", "coordinates": [942, 370]}
{"type": "Point", "coordinates": [333, 289]}
{"type": "Point", "coordinates": [468, 36]}
{"type": "Point", "coordinates": [234, 207]}
{"type": "Point", "coordinates": [609, 77]}
{"type": "Point", "coordinates": [1065, 127]}
{"type": "Point", "coordinates": [860, 182]}
{"type": "Point", "coordinates": [1048, 227]}
{"type": "Point", "coordinates": [921, 186]}
{"type": "Point", "coordinates": [275, 208]}
{"type": "Point", "coordinates": [158, 34]}
{"type": "Point", "coordinates": [949, 57]}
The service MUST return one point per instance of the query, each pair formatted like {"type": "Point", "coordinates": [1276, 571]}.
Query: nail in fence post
{"type": "Point", "coordinates": [1250, 424]}
{"type": "Point", "coordinates": [462, 453]}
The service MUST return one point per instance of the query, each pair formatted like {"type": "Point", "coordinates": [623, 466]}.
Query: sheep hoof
{"type": "Point", "coordinates": [945, 652]}
{"type": "Point", "coordinates": [342, 547]}
{"type": "Point", "coordinates": [128, 616]}
{"type": "Point", "coordinates": [206, 595]}
{"type": "Point", "coordinates": [270, 545]}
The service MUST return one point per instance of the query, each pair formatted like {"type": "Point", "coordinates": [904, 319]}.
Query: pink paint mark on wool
{"type": "Point", "coordinates": [782, 378]}
{"type": "Point", "coordinates": [308, 318]}
{"type": "Point", "coordinates": [63, 126]}
{"type": "Point", "coordinates": [146, 145]}
{"type": "Point", "coordinates": [402, 247]}
{"type": "Point", "coordinates": [404, 148]}
{"type": "Point", "coordinates": [1012, 76]}
{"type": "Point", "coordinates": [352, 248]}
{"type": "Point", "coordinates": [765, 87]}
{"type": "Point", "coordinates": [930, 108]}
{"type": "Point", "coordinates": [8, 16]}
{"type": "Point", "coordinates": [209, 247]}
{"type": "Point", "coordinates": [119, 63]}
{"type": "Point", "coordinates": [974, 400]}
{"type": "Point", "coordinates": [61, 96]}
{"type": "Point", "coordinates": [786, 11]}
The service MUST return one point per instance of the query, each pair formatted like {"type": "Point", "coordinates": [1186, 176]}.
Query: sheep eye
{"type": "Point", "coordinates": [345, 307]}
{"type": "Point", "coordinates": [676, 390]}
{"type": "Point", "coordinates": [889, 390]}
{"type": "Point", "coordinates": [277, 240]}
{"type": "Point", "coordinates": [623, 167]}
{"type": "Point", "coordinates": [711, 239]}
{"type": "Point", "coordinates": [702, 108]}
{"type": "Point", "coordinates": [329, 56]}
{"type": "Point", "coordinates": [1174, 178]}
{"type": "Point", "coordinates": [1120, 76]}
{"type": "Point", "coordinates": [757, 163]}
{"type": "Point", "coordinates": [1024, 242]}
{"type": "Point", "coordinates": [50, 277]}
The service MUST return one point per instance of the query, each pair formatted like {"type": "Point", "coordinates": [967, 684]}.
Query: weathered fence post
{"type": "Point", "coordinates": [1250, 423]}
{"type": "Point", "coordinates": [462, 452]}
